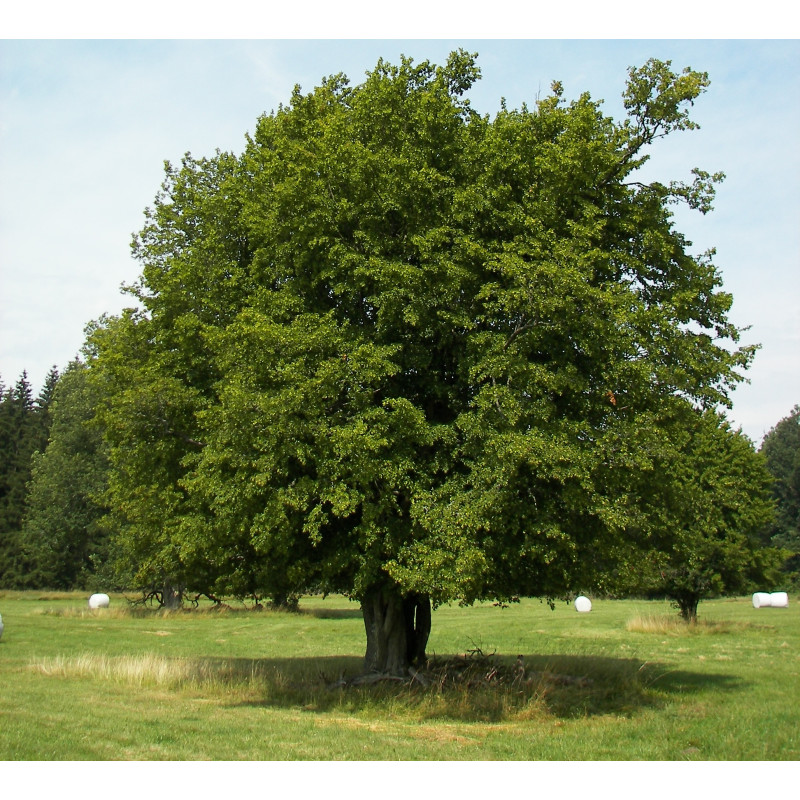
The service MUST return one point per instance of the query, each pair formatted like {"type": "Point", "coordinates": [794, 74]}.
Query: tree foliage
{"type": "Point", "coordinates": [62, 537]}
{"type": "Point", "coordinates": [781, 449]}
{"type": "Point", "coordinates": [403, 351]}
{"type": "Point", "coordinates": [24, 427]}
{"type": "Point", "coordinates": [703, 506]}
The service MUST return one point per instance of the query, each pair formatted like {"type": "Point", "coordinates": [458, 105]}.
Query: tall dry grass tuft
{"type": "Point", "coordinates": [656, 624]}
{"type": "Point", "coordinates": [675, 626]}
{"type": "Point", "coordinates": [139, 611]}
{"type": "Point", "coordinates": [149, 669]}
{"type": "Point", "coordinates": [117, 612]}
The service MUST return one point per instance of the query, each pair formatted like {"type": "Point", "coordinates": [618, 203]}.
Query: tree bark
{"type": "Point", "coordinates": [397, 627]}
{"type": "Point", "coordinates": [687, 607]}
{"type": "Point", "coordinates": [285, 602]}
{"type": "Point", "coordinates": [417, 609]}
{"type": "Point", "coordinates": [171, 597]}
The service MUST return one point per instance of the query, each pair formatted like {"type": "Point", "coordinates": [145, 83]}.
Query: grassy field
{"type": "Point", "coordinates": [624, 682]}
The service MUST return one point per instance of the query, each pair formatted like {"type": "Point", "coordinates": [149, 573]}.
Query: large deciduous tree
{"type": "Point", "coordinates": [403, 351]}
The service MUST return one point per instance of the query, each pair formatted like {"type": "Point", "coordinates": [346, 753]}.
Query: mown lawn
{"type": "Point", "coordinates": [619, 683]}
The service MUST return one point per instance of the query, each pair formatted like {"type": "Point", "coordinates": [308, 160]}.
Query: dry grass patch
{"type": "Point", "coordinates": [150, 669]}
{"type": "Point", "coordinates": [352, 723]}
{"type": "Point", "coordinates": [117, 612]}
{"type": "Point", "coordinates": [446, 734]}
{"type": "Point", "coordinates": [121, 612]}
{"type": "Point", "coordinates": [127, 608]}
{"type": "Point", "coordinates": [674, 626]}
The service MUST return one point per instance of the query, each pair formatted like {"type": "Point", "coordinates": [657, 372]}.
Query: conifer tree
{"type": "Point", "coordinates": [24, 429]}
{"type": "Point", "coordinates": [64, 542]}
{"type": "Point", "coordinates": [18, 429]}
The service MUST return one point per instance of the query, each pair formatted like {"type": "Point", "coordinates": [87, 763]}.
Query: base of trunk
{"type": "Point", "coordinates": [398, 627]}
{"type": "Point", "coordinates": [687, 608]}
{"type": "Point", "coordinates": [171, 596]}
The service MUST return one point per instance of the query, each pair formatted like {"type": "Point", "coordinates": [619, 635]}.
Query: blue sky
{"type": "Point", "coordinates": [85, 126]}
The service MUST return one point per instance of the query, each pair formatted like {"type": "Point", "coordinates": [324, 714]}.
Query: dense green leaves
{"type": "Point", "coordinates": [400, 350]}
{"type": "Point", "coordinates": [781, 449]}
{"type": "Point", "coordinates": [24, 427]}
{"type": "Point", "coordinates": [64, 542]}
{"type": "Point", "coordinates": [703, 510]}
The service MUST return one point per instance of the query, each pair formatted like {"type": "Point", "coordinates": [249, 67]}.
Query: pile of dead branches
{"type": "Point", "coordinates": [472, 670]}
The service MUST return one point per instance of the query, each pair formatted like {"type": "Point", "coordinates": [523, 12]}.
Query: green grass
{"type": "Point", "coordinates": [625, 682]}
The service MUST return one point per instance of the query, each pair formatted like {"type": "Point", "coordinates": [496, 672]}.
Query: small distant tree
{"type": "Point", "coordinates": [781, 450]}
{"type": "Point", "coordinates": [704, 509]}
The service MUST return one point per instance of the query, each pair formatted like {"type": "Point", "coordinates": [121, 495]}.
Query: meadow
{"type": "Point", "coordinates": [626, 681]}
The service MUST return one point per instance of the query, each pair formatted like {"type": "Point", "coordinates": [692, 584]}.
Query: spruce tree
{"type": "Point", "coordinates": [24, 428]}
{"type": "Point", "coordinates": [64, 543]}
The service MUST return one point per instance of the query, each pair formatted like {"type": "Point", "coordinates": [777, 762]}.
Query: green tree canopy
{"type": "Point", "coordinates": [781, 449]}
{"type": "Point", "coordinates": [403, 351]}
{"type": "Point", "coordinates": [704, 506]}
{"type": "Point", "coordinates": [62, 537]}
{"type": "Point", "coordinates": [24, 427]}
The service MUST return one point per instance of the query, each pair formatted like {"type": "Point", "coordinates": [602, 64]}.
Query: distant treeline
{"type": "Point", "coordinates": [24, 430]}
{"type": "Point", "coordinates": [52, 476]}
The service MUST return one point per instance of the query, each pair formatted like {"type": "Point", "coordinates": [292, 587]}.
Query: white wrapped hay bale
{"type": "Point", "coordinates": [779, 600]}
{"type": "Point", "coordinates": [1, 626]}
{"type": "Point", "coordinates": [770, 600]}
{"type": "Point", "coordinates": [99, 601]}
{"type": "Point", "coordinates": [583, 604]}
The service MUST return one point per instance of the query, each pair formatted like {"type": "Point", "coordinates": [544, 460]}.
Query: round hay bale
{"type": "Point", "coordinates": [1, 626]}
{"type": "Point", "coordinates": [583, 604]}
{"type": "Point", "coordinates": [779, 600]}
{"type": "Point", "coordinates": [99, 601]}
{"type": "Point", "coordinates": [761, 600]}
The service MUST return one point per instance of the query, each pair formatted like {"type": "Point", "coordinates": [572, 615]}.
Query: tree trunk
{"type": "Point", "coordinates": [687, 606]}
{"type": "Point", "coordinates": [285, 602]}
{"type": "Point", "coordinates": [398, 627]}
{"type": "Point", "coordinates": [417, 609]}
{"type": "Point", "coordinates": [171, 598]}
